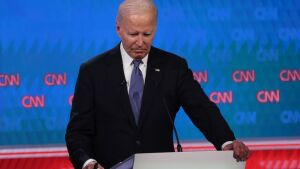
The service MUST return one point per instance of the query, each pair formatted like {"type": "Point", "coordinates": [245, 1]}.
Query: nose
{"type": "Point", "coordinates": [140, 40]}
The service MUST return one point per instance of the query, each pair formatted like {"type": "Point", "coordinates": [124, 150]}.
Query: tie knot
{"type": "Point", "coordinates": [137, 62]}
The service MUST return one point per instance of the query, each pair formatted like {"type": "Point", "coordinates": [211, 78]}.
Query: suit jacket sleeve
{"type": "Point", "coordinates": [203, 113]}
{"type": "Point", "coordinates": [80, 130]}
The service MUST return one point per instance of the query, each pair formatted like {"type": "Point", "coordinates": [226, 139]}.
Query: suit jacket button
{"type": "Point", "coordinates": [138, 142]}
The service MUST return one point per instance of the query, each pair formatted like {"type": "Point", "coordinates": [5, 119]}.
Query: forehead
{"type": "Point", "coordinates": [147, 20]}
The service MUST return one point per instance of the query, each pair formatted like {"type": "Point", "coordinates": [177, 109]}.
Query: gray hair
{"type": "Point", "coordinates": [136, 7]}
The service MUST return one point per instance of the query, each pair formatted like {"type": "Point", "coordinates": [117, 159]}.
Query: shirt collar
{"type": "Point", "coordinates": [127, 60]}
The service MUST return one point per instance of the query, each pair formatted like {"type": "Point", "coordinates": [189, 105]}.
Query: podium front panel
{"type": "Point", "coordinates": [187, 160]}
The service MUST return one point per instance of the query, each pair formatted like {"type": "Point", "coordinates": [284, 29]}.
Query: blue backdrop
{"type": "Point", "coordinates": [245, 54]}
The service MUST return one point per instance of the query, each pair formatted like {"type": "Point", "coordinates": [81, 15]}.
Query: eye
{"type": "Point", "coordinates": [133, 33]}
{"type": "Point", "coordinates": [147, 34]}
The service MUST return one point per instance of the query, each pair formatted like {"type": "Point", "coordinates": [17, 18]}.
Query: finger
{"type": "Point", "coordinates": [240, 151]}
{"type": "Point", "coordinates": [237, 148]}
{"type": "Point", "coordinates": [90, 166]}
{"type": "Point", "coordinates": [97, 166]}
{"type": "Point", "coordinates": [243, 152]}
{"type": "Point", "coordinates": [246, 153]}
{"type": "Point", "coordinates": [243, 156]}
{"type": "Point", "coordinates": [100, 167]}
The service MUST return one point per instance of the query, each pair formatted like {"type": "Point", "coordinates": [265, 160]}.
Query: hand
{"type": "Point", "coordinates": [91, 165]}
{"type": "Point", "coordinates": [240, 150]}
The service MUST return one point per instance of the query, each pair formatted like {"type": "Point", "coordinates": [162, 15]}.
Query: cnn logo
{"type": "Point", "coordinates": [221, 97]}
{"type": "Point", "coordinates": [33, 101]}
{"type": "Point", "coordinates": [52, 79]}
{"type": "Point", "coordinates": [265, 96]}
{"type": "Point", "coordinates": [239, 76]}
{"type": "Point", "coordinates": [287, 75]}
{"type": "Point", "coordinates": [9, 80]}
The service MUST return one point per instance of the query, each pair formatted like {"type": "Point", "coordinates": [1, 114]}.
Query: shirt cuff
{"type": "Point", "coordinates": [226, 143]}
{"type": "Point", "coordinates": [88, 161]}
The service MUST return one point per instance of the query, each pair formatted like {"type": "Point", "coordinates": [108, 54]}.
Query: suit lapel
{"type": "Point", "coordinates": [117, 78]}
{"type": "Point", "coordinates": [153, 77]}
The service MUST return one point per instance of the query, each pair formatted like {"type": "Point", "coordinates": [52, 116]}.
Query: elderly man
{"type": "Point", "coordinates": [122, 96]}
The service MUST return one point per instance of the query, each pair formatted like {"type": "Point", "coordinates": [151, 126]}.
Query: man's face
{"type": "Point", "coordinates": [137, 33]}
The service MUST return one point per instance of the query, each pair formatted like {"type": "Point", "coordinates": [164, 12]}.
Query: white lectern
{"type": "Point", "coordinates": [182, 160]}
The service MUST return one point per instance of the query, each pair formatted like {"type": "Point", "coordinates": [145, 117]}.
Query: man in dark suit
{"type": "Point", "coordinates": [122, 96]}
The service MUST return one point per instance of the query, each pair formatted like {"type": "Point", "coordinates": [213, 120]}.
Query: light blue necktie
{"type": "Point", "coordinates": [136, 89]}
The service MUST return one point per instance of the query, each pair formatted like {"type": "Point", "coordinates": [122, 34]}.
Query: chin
{"type": "Point", "coordinates": [139, 56]}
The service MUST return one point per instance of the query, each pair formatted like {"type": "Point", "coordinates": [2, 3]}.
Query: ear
{"type": "Point", "coordinates": [118, 28]}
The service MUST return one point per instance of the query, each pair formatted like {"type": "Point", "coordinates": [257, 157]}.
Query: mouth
{"type": "Point", "coordinates": [139, 50]}
{"type": "Point", "coordinates": [139, 53]}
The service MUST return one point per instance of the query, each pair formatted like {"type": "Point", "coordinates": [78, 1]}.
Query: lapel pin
{"type": "Point", "coordinates": [157, 70]}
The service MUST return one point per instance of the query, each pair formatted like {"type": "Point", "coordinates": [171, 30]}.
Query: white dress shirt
{"type": "Point", "coordinates": [128, 66]}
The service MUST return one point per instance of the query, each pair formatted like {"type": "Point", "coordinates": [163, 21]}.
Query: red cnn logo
{"type": "Point", "coordinates": [289, 75]}
{"type": "Point", "coordinates": [71, 100]}
{"type": "Point", "coordinates": [201, 76]}
{"type": "Point", "coordinates": [52, 79]}
{"type": "Point", "coordinates": [221, 97]}
{"type": "Point", "coordinates": [243, 76]}
{"type": "Point", "coordinates": [33, 101]}
{"type": "Point", "coordinates": [9, 80]}
{"type": "Point", "coordinates": [265, 96]}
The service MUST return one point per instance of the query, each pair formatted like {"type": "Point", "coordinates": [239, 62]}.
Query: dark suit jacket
{"type": "Point", "coordinates": [102, 124]}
